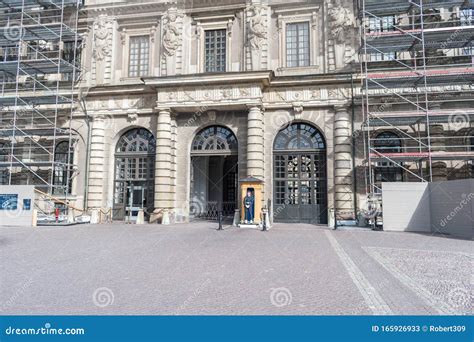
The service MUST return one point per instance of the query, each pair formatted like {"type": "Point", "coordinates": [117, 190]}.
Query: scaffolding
{"type": "Point", "coordinates": [417, 68]}
{"type": "Point", "coordinates": [39, 65]}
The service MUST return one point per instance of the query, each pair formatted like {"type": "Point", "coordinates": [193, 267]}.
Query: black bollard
{"type": "Point", "coordinates": [219, 217]}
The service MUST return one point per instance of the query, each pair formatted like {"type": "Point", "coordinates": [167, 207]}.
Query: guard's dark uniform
{"type": "Point", "coordinates": [249, 208]}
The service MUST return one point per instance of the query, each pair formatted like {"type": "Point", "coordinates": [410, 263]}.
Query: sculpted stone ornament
{"type": "Point", "coordinates": [171, 34]}
{"type": "Point", "coordinates": [257, 27]}
{"type": "Point", "coordinates": [226, 93]}
{"type": "Point", "coordinates": [316, 94]}
{"type": "Point", "coordinates": [212, 115]}
{"type": "Point", "coordinates": [132, 116]}
{"type": "Point", "coordinates": [101, 35]}
{"type": "Point", "coordinates": [341, 21]}
{"type": "Point", "coordinates": [297, 108]}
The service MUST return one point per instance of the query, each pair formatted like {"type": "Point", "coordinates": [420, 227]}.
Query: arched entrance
{"type": "Point", "coordinates": [134, 174]}
{"type": "Point", "coordinates": [214, 177]}
{"type": "Point", "coordinates": [299, 175]}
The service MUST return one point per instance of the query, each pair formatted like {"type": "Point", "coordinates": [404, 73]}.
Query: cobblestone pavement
{"type": "Point", "coordinates": [194, 269]}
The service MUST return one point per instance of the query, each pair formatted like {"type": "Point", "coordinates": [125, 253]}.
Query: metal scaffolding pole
{"type": "Point", "coordinates": [39, 46]}
{"type": "Point", "coordinates": [413, 53]}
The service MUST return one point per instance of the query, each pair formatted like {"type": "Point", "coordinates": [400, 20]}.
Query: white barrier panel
{"type": "Point", "coordinates": [440, 207]}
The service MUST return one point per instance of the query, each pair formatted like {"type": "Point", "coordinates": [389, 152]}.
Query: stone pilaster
{"type": "Point", "coordinates": [174, 137]}
{"type": "Point", "coordinates": [255, 143]}
{"type": "Point", "coordinates": [163, 168]}
{"type": "Point", "coordinates": [343, 181]}
{"type": "Point", "coordinates": [95, 197]}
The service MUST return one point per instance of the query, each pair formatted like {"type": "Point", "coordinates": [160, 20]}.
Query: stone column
{"type": "Point", "coordinates": [163, 169]}
{"type": "Point", "coordinates": [255, 143]}
{"type": "Point", "coordinates": [174, 137]}
{"type": "Point", "coordinates": [95, 197]}
{"type": "Point", "coordinates": [343, 181]}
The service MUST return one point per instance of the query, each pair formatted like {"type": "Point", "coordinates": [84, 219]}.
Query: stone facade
{"type": "Point", "coordinates": [256, 97]}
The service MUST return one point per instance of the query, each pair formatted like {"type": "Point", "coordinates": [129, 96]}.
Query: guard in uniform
{"type": "Point", "coordinates": [249, 207]}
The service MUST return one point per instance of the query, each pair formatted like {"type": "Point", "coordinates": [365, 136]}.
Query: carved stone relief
{"type": "Point", "coordinates": [256, 36]}
{"type": "Point", "coordinates": [171, 33]}
{"type": "Point", "coordinates": [102, 40]}
{"type": "Point", "coordinates": [341, 21]}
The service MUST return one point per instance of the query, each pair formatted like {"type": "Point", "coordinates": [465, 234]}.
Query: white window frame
{"type": "Point", "coordinates": [201, 27]}
{"type": "Point", "coordinates": [297, 38]}
{"type": "Point", "coordinates": [126, 35]}
{"type": "Point", "coordinates": [312, 18]}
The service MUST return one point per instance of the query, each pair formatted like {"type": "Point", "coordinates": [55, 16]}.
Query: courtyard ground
{"type": "Point", "coordinates": [195, 269]}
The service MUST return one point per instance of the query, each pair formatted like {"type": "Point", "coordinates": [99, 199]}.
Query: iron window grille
{"type": "Point", "coordinates": [215, 50]}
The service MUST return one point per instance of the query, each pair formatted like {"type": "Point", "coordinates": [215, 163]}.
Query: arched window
{"type": "Point", "coordinates": [63, 169]}
{"type": "Point", "coordinates": [215, 138]}
{"type": "Point", "coordinates": [299, 175]}
{"type": "Point", "coordinates": [388, 142]}
{"type": "Point", "coordinates": [137, 140]}
{"type": "Point", "coordinates": [299, 136]}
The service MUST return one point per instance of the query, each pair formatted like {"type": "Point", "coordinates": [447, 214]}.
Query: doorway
{"type": "Point", "coordinates": [134, 175]}
{"type": "Point", "coordinates": [299, 174]}
{"type": "Point", "coordinates": [214, 174]}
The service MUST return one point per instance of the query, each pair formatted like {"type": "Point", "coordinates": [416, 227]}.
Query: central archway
{"type": "Point", "coordinates": [214, 173]}
{"type": "Point", "coordinates": [299, 175]}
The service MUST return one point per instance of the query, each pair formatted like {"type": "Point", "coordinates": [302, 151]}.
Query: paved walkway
{"type": "Point", "coordinates": [194, 269]}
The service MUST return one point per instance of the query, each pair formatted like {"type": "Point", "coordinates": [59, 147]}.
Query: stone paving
{"type": "Point", "coordinates": [193, 269]}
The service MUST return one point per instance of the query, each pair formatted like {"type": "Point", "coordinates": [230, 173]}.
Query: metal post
{"type": "Point", "coordinates": [219, 218]}
{"type": "Point", "coordinates": [264, 223]}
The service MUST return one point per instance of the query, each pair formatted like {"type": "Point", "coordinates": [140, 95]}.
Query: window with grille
{"type": "Point", "coordinates": [297, 44]}
{"type": "Point", "coordinates": [378, 25]}
{"type": "Point", "coordinates": [139, 56]}
{"type": "Point", "coordinates": [215, 50]}
{"type": "Point", "coordinates": [299, 174]}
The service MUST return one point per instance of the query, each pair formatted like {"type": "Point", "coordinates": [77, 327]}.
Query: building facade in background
{"type": "Point", "coordinates": [184, 99]}
{"type": "Point", "coordinates": [178, 101]}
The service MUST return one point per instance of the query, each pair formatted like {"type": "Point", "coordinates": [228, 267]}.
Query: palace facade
{"type": "Point", "coordinates": [181, 100]}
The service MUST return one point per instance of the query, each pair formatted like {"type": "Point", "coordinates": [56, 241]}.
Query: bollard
{"type": "Point", "coordinates": [219, 217]}
{"type": "Point", "coordinates": [264, 223]}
